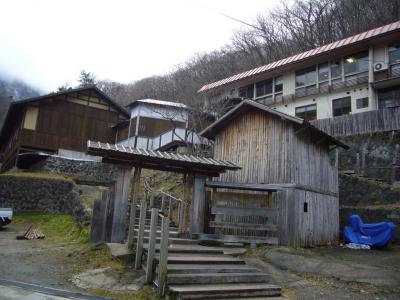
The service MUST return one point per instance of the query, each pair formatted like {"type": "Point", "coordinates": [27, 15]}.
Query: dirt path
{"type": "Point", "coordinates": [34, 261]}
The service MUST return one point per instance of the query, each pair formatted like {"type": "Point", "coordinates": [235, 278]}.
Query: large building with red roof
{"type": "Point", "coordinates": [356, 74]}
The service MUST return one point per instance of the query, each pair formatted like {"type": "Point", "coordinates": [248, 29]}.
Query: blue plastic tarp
{"type": "Point", "coordinates": [376, 235]}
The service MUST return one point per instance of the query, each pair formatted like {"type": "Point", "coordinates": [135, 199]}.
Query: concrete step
{"type": "Point", "coordinates": [214, 278]}
{"type": "Point", "coordinates": [147, 232]}
{"type": "Point", "coordinates": [209, 268]}
{"type": "Point", "coordinates": [183, 258]}
{"type": "Point", "coordinates": [194, 249]}
{"type": "Point", "coordinates": [174, 241]}
{"type": "Point", "coordinates": [223, 291]}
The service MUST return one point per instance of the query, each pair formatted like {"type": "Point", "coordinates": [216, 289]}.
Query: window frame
{"type": "Point", "coordinates": [361, 101]}
{"type": "Point", "coordinates": [309, 84]}
{"type": "Point", "coordinates": [342, 99]}
{"type": "Point", "coordinates": [306, 111]}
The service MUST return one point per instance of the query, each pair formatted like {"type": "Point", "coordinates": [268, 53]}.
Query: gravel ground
{"type": "Point", "coordinates": [34, 261]}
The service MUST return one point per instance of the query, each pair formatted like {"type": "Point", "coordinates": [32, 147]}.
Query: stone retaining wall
{"type": "Point", "coordinates": [90, 172]}
{"type": "Point", "coordinates": [374, 201]}
{"type": "Point", "coordinates": [34, 192]}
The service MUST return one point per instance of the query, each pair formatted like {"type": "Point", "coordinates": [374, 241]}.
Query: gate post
{"type": "Point", "coordinates": [198, 205]}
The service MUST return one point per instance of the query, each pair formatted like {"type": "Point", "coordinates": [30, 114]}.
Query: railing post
{"type": "Point", "coordinates": [180, 215]}
{"type": "Point", "coordinates": [152, 245]}
{"type": "Point", "coordinates": [151, 198]}
{"type": "Point", "coordinates": [163, 204]}
{"type": "Point", "coordinates": [170, 208]}
{"type": "Point", "coordinates": [140, 236]}
{"type": "Point", "coordinates": [132, 217]}
{"type": "Point", "coordinates": [163, 256]}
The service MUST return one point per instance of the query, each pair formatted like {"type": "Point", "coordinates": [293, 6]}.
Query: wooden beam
{"type": "Point", "coordinates": [243, 186]}
{"type": "Point", "coordinates": [135, 197]}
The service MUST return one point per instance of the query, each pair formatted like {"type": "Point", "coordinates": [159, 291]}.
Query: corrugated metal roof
{"type": "Point", "coordinates": [373, 33]}
{"type": "Point", "coordinates": [159, 157]}
{"type": "Point", "coordinates": [160, 102]}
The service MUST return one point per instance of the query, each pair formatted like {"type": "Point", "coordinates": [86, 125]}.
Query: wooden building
{"type": "Point", "coordinates": [158, 125]}
{"type": "Point", "coordinates": [286, 191]}
{"type": "Point", "coordinates": [59, 121]}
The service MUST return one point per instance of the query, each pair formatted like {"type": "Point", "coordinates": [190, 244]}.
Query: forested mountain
{"type": "Point", "coordinates": [291, 29]}
{"type": "Point", "coordinates": [16, 89]}
{"type": "Point", "coordinates": [13, 90]}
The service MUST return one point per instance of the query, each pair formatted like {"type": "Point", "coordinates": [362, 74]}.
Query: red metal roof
{"type": "Point", "coordinates": [367, 35]}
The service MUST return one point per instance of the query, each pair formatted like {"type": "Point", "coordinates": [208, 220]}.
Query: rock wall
{"type": "Point", "coordinates": [38, 192]}
{"type": "Point", "coordinates": [375, 155]}
{"type": "Point", "coordinates": [373, 200]}
{"type": "Point", "coordinates": [90, 172]}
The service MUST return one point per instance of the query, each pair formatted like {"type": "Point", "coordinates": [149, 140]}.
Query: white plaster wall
{"type": "Point", "coordinates": [324, 102]}
{"type": "Point", "coordinates": [380, 54]}
{"type": "Point", "coordinates": [159, 112]}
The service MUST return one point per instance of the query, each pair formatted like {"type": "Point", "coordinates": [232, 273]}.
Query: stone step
{"type": "Point", "coordinates": [213, 278]}
{"type": "Point", "coordinates": [209, 268]}
{"type": "Point", "coordinates": [223, 291]}
{"type": "Point", "coordinates": [183, 258]}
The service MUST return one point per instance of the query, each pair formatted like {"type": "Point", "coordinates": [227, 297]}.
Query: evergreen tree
{"type": "Point", "coordinates": [86, 79]}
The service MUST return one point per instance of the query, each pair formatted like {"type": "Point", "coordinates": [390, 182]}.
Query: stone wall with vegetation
{"type": "Point", "coordinates": [41, 192]}
{"type": "Point", "coordinates": [90, 172]}
{"type": "Point", "coordinates": [373, 200]}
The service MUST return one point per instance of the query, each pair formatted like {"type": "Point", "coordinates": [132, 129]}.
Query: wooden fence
{"type": "Point", "coordinates": [387, 119]}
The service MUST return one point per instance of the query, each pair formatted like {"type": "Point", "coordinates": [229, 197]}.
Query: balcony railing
{"type": "Point", "coordinates": [174, 135]}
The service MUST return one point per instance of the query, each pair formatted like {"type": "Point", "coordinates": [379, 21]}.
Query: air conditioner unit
{"type": "Point", "coordinates": [380, 66]}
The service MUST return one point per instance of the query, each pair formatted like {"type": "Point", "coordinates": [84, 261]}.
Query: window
{"type": "Point", "coordinates": [306, 76]}
{"type": "Point", "coordinates": [307, 112]}
{"type": "Point", "coordinates": [341, 106]}
{"type": "Point", "coordinates": [389, 97]}
{"type": "Point", "coordinates": [31, 116]}
{"type": "Point", "coordinates": [278, 84]}
{"type": "Point", "coordinates": [356, 63]}
{"type": "Point", "coordinates": [323, 72]}
{"type": "Point", "coordinates": [394, 54]}
{"type": "Point", "coordinates": [247, 91]}
{"type": "Point", "coordinates": [362, 103]}
{"type": "Point", "coordinates": [264, 87]}
{"type": "Point", "coordinates": [336, 69]}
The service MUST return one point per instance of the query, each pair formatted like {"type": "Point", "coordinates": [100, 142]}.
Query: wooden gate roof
{"type": "Point", "coordinates": [159, 160]}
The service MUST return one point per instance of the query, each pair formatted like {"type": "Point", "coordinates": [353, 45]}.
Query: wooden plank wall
{"type": "Point", "coordinates": [256, 143]}
{"type": "Point", "coordinates": [318, 226]}
{"type": "Point", "coordinates": [309, 164]}
{"type": "Point", "coordinates": [269, 151]}
{"type": "Point", "coordinates": [387, 119]}
{"type": "Point", "coordinates": [230, 210]}
{"type": "Point", "coordinates": [68, 125]}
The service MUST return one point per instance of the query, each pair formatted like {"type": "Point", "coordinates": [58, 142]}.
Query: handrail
{"type": "Point", "coordinates": [182, 205]}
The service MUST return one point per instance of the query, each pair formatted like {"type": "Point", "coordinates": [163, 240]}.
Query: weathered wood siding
{"type": "Point", "coordinates": [244, 215]}
{"type": "Point", "coordinates": [318, 226]}
{"type": "Point", "coordinates": [387, 119]}
{"type": "Point", "coordinates": [69, 125]}
{"type": "Point", "coordinates": [269, 151]}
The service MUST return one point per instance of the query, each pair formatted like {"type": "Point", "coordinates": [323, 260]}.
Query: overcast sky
{"type": "Point", "coordinates": [47, 42]}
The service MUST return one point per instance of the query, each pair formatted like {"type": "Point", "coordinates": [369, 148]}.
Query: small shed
{"type": "Point", "coordinates": [286, 191]}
